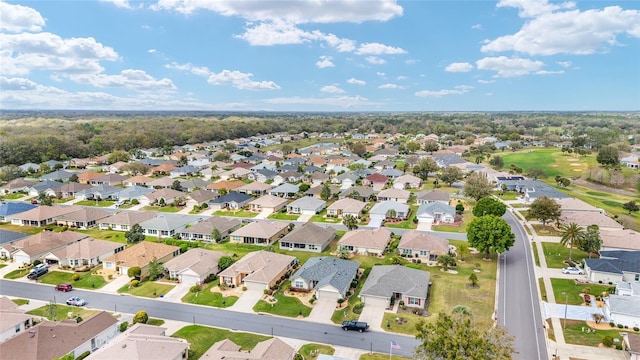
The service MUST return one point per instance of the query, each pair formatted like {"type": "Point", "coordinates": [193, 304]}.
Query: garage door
{"type": "Point", "coordinates": [255, 285]}
{"type": "Point", "coordinates": [308, 212]}
{"type": "Point", "coordinates": [328, 295]}
{"type": "Point", "coordinates": [375, 301]}
{"type": "Point", "coordinates": [189, 280]}
{"type": "Point", "coordinates": [21, 259]}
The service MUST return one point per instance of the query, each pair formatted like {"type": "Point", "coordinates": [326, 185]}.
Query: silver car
{"type": "Point", "coordinates": [572, 270]}
{"type": "Point", "coordinates": [76, 301]}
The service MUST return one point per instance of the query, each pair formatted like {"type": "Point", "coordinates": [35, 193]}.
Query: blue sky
{"type": "Point", "coordinates": [320, 55]}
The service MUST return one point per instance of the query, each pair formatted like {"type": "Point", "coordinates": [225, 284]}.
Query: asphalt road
{"type": "Point", "coordinates": [263, 324]}
{"type": "Point", "coordinates": [518, 305]}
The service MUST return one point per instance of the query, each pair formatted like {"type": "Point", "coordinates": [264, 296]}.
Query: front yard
{"type": "Point", "coordinates": [572, 290]}
{"type": "Point", "coordinates": [556, 254]}
{"type": "Point", "coordinates": [238, 213]}
{"type": "Point", "coordinates": [86, 281]}
{"type": "Point", "coordinates": [202, 337]}
{"type": "Point", "coordinates": [282, 305]}
{"type": "Point", "coordinates": [208, 297]}
{"type": "Point", "coordinates": [57, 312]}
{"type": "Point", "coordinates": [18, 273]}
{"type": "Point", "coordinates": [148, 289]}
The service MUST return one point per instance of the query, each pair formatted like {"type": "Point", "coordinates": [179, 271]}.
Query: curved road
{"type": "Point", "coordinates": [518, 307]}
{"type": "Point", "coordinates": [263, 324]}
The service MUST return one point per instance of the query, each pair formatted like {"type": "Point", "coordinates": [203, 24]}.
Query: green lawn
{"type": "Point", "coordinates": [572, 291]}
{"type": "Point", "coordinates": [322, 218]}
{"type": "Point", "coordinates": [2, 265]}
{"type": "Point", "coordinates": [101, 203]}
{"type": "Point", "coordinates": [507, 195]}
{"type": "Point", "coordinates": [543, 289]}
{"type": "Point", "coordinates": [16, 274]}
{"type": "Point", "coordinates": [239, 213]}
{"type": "Point", "coordinates": [20, 302]}
{"type": "Point", "coordinates": [283, 216]}
{"type": "Point", "coordinates": [550, 160]}
{"type": "Point", "coordinates": [547, 230]}
{"type": "Point", "coordinates": [535, 254]}
{"type": "Point", "coordinates": [311, 351]}
{"type": "Point", "coordinates": [556, 254]}
{"type": "Point", "coordinates": [62, 311]}
{"type": "Point", "coordinates": [407, 327]}
{"type": "Point", "coordinates": [202, 337]}
{"type": "Point", "coordinates": [467, 216]}
{"type": "Point", "coordinates": [30, 230]}
{"type": "Point", "coordinates": [346, 312]}
{"type": "Point", "coordinates": [206, 297]}
{"type": "Point", "coordinates": [285, 306]}
{"type": "Point", "coordinates": [166, 209]}
{"type": "Point", "coordinates": [13, 196]}
{"type": "Point", "coordinates": [155, 322]}
{"type": "Point", "coordinates": [111, 235]}
{"type": "Point", "coordinates": [86, 281]}
{"type": "Point", "coordinates": [576, 333]}
{"type": "Point", "coordinates": [378, 356]}
{"type": "Point", "coordinates": [148, 289]}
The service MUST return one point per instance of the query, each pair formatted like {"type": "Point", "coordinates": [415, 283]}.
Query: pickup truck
{"type": "Point", "coordinates": [355, 325]}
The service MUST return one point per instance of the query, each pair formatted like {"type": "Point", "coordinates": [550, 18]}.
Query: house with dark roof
{"type": "Point", "coordinates": [330, 277]}
{"type": "Point", "coordinates": [361, 193]}
{"type": "Point", "coordinates": [233, 200]}
{"type": "Point", "coordinates": [614, 266]}
{"type": "Point", "coordinates": [308, 237]}
{"type": "Point", "coordinates": [165, 225]}
{"type": "Point", "coordinates": [10, 208]}
{"type": "Point", "coordinates": [384, 209]}
{"type": "Point", "coordinates": [436, 213]}
{"type": "Point", "coordinates": [43, 186]}
{"type": "Point", "coordinates": [375, 180]}
{"type": "Point", "coordinates": [429, 196]}
{"type": "Point", "coordinates": [98, 192]}
{"type": "Point", "coordinates": [397, 282]}
{"type": "Point", "coordinates": [446, 159]}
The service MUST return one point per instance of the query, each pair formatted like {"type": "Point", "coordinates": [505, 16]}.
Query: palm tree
{"type": "Point", "coordinates": [572, 234]}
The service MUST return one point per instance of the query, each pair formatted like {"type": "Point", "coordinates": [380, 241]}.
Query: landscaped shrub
{"type": "Point", "coordinates": [607, 341]}
{"type": "Point", "coordinates": [635, 328]}
{"type": "Point", "coordinates": [124, 326]}
{"type": "Point", "coordinates": [36, 262]}
{"type": "Point", "coordinates": [244, 288]}
{"type": "Point", "coordinates": [135, 283]}
{"type": "Point", "coordinates": [141, 317]}
{"type": "Point", "coordinates": [620, 326]}
{"type": "Point", "coordinates": [357, 308]}
{"type": "Point", "coordinates": [195, 289]}
{"type": "Point", "coordinates": [75, 277]}
{"type": "Point", "coordinates": [612, 324]}
{"type": "Point", "coordinates": [83, 355]}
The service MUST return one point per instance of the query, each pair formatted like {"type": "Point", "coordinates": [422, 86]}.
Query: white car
{"type": "Point", "coordinates": [572, 270]}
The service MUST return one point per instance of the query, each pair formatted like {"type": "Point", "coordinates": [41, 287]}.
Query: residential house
{"type": "Point", "coordinates": [430, 196]}
{"type": "Point", "coordinates": [626, 239]}
{"type": "Point", "coordinates": [165, 225]}
{"type": "Point", "coordinates": [306, 206]}
{"type": "Point", "coordinates": [68, 190]}
{"type": "Point", "coordinates": [419, 245]}
{"type": "Point", "coordinates": [186, 170]}
{"type": "Point", "coordinates": [346, 206]}
{"type": "Point", "coordinates": [271, 349]}
{"type": "Point", "coordinates": [318, 178]}
{"type": "Point", "coordinates": [361, 193]}
{"type": "Point", "coordinates": [631, 345]}
{"type": "Point", "coordinates": [227, 185]}
{"type": "Point", "coordinates": [41, 215]}
{"type": "Point", "coordinates": [407, 181]}
{"type": "Point", "coordinates": [256, 188]}
{"type": "Point", "coordinates": [162, 196]}
{"type": "Point", "coordinates": [376, 181]}
{"type": "Point", "coordinates": [288, 177]}
{"type": "Point", "coordinates": [345, 180]}
{"type": "Point", "coordinates": [194, 266]}
{"type": "Point", "coordinates": [43, 187]}
{"type": "Point", "coordinates": [308, 237]}
{"type": "Point", "coordinates": [58, 175]}
{"type": "Point", "coordinates": [232, 201]}
{"type": "Point", "coordinates": [48, 340]}
{"type": "Point", "coordinates": [162, 182]}
{"type": "Point", "coordinates": [614, 266]}
{"type": "Point", "coordinates": [13, 321]}
{"type": "Point", "coordinates": [16, 185]}
{"type": "Point", "coordinates": [109, 179]}
{"type": "Point", "coordinates": [258, 270]}
{"type": "Point", "coordinates": [98, 192]}
{"type": "Point", "coordinates": [385, 209]}
{"type": "Point", "coordinates": [260, 233]}
{"type": "Point", "coordinates": [285, 190]}
{"type": "Point", "coordinates": [623, 309]}
{"type": "Point", "coordinates": [204, 230]}
{"type": "Point", "coordinates": [124, 220]}
{"type": "Point", "coordinates": [140, 255]}
{"type": "Point", "coordinates": [393, 194]}
{"type": "Point", "coordinates": [163, 169]}
{"type": "Point", "coordinates": [236, 173]}
{"type": "Point", "coordinates": [330, 277]}
{"type": "Point", "coordinates": [88, 176]}
{"type": "Point", "coordinates": [193, 184]}
{"type": "Point", "coordinates": [590, 218]}
{"type": "Point", "coordinates": [316, 191]}
{"type": "Point", "coordinates": [387, 283]}
{"type": "Point", "coordinates": [391, 173]}
{"type": "Point", "coordinates": [85, 252]}
{"type": "Point", "coordinates": [268, 203]}
{"type": "Point", "coordinates": [445, 158]}
{"type": "Point", "coordinates": [436, 213]}
{"type": "Point", "coordinates": [365, 241]}
{"type": "Point", "coordinates": [199, 197]}
{"type": "Point", "coordinates": [572, 204]}
{"type": "Point", "coordinates": [138, 180]}
{"type": "Point", "coordinates": [11, 208]}
{"type": "Point", "coordinates": [84, 218]}
{"type": "Point", "coordinates": [142, 340]}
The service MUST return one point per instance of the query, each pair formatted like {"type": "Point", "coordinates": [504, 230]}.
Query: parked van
{"type": "Point", "coordinates": [38, 271]}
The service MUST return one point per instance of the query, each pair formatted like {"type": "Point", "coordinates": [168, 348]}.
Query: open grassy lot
{"type": "Point", "coordinates": [148, 289]}
{"type": "Point", "coordinates": [556, 254]}
{"type": "Point", "coordinates": [573, 290]}
{"type": "Point", "coordinates": [550, 160]}
{"type": "Point", "coordinates": [202, 337]}
{"type": "Point", "coordinates": [239, 213]}
{"type": "Point", "coordinates": [86, 281]}
{"type": "Point", "coordinates": [311, 351]}
{"type": "Point", "coordinates": [576, 333]}
{"type": "Point", "coordinates": [304, 142]}
{"type": "Point", "coordinates": [284, 306]}
{"type": "Point", "coordinates": [61, 312]}
{"type": "Point", "coordinates": [206, 297]}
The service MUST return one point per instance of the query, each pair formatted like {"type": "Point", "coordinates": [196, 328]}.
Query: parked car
{"type": "Point", "coordinates": [64, 287]}
{"type": "Point", "coordinates": [572, 270]}
{"type": "Point", "coordinates": [34, 202]}
{"type": "Point", "coordinates": [355, 325]}
{"type": "Point", "coordinates": [76, 301]}
{"type": "Point", "coordinates": [38, 271]}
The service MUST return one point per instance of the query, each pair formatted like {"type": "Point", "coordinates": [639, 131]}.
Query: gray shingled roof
{"type": "Point", "coordinates": [436, 207]}
{"type": "Point", "coordinates": [616, 262]}
{"type": "Point", "coordinates": [329, 270]}
{"type": "Point", "coordinates": [627, 305]}
{"type": "Point", "coordinates": [310, 233]}
{"type": "Point", "coordinates": [384, 280]}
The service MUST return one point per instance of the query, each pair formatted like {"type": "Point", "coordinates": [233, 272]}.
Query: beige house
{"type": "Point", "coordinates": [194, 266]}
{"type": "Point", "coordinates": [308, 237]}
{"type": "Point", "coordinates": [393, 194]}
{"type": "Point", "coordinates": [268, 202]}
{"type": "Point", "coordinates": [407, 181]}
{"type": "Point", "coordinates": [255, 188]}
{"type": "Point", "coordinates": [626, 239]}
{"type": "Point", "coordinates": [143, 340]}
{"type": "Point", "coordinates": [86, 252]}
{"type": "Point", "coordinates": [84, 218]}
{"type": "Point", "coordinates": [140, 255]}
{"type": "Point", "coordinates": [584, 219]}
{"type": "Point", "coordinates": [419, 245]}
{"type": "Point", "coordinates": [13, 320]}
{"type": "Point", "coordinates": [35, 247]}
{"type": "Point", "coordinates": [42, 215]}
{"type": "Point", "coordinates": [204, 230]}
{"type": "Point", "coordinates": [364, 241]}
{"type": "Point", "coordinates": [123, 221]}
{"type": "Point", "coordinates": [260, 233]}
{"type": "Point", "coordinates": [272, 349]}
{"type": "Point", "coordinates": [346, 206]}
{"type": "Point", "coordinates": [258, 270]}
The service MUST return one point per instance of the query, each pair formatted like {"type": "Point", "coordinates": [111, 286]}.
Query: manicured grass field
{"type": "Point", "coordinates": [311, 351]}
{"type": "Point", "coordinates": [86, 281]}
{"type": "Point", "coordinates": [408, 327]}
{"type": "Point", "coordinates": [550, 160]}
{"type": "Point", "coordinates": [285, 306]}
{"type": "Point", "coordinates": [547, 230]}
{"type": "Point", "coordinates": [576, 333]}
{"type": "Point", "coordinates": [202, 337]}
{"type": "Point", "coordinates": [239, 213]}
{"type": "Point", "coordinates": [556, 254]}
{"type": "Point", "coordinates": [165, 209]}
{"type": "Point", "coordinates": [111, 235]}
{"type": "Point", "coordinates": [283, 216]}
{"type": "Point", "coordinates": [206, 297]}
{"type": "Point", "coordinates": [155, 322]}
{"type": "Point", "coordinates": [16, 274]}
{"type": "Point", "coordinates": [321, 218]}
{"type": "Point", "coordinates": [101, 203]}
{"type": "Point", "coordinates": [2, 265]}
{"type": "Point", "coordinates": [573, 290]}
{"type": "Point", "coordinates": [148, 289]}
{"type": "Point", "coordinates": [20, 302]}
{"type": "Point", "coordinates": [62, 311]}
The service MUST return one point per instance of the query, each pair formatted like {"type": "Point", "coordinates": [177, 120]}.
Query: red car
{"type": "Point", "coordinates": [64, 287]}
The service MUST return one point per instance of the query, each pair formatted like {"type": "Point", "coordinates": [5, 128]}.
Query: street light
{"type": "Point", "coordinates": [566, 301]}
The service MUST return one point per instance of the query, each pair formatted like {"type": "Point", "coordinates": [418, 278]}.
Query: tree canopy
{"type": "Point", "coordinates": [451, 174]}
{"type": "Point", "coordinates": [608, 156]}
{"type": "Point", "coordinates": [489, 206]}
{"type": "Point", "coordinates": [572, 235]}
{"type": "Point", "coordinates": [135, 234]}
{"type": "Point", "coordinates": [477, 186]}
{"type": "Point", "coordinates": [490, 233]}
{"type": "Point", "coordinates": [544, 209]}
{"type": "Point", "coordinates": [424, 167]}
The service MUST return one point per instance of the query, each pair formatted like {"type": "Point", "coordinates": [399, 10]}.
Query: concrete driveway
{"type": "Point", "coordinates": [304, 218]}
{"type": "Point", "coordinates": [322, 311]}
{"type": "Point", "coordinates": [178, 292]}
{"type": "Point", "coordinates": [264, 214]}
{"type": "Point", "coordinates": [373, 315]}
{"type": "Point", "coordinates": [574, 312]}
{"type": "Point", "coordinates": [115, 284]}
{"type": "Point", "coordinates": [247, 300]}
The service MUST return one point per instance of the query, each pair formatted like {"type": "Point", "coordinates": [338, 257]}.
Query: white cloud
{"type": "Point", "coordinates": [240, 81]}
{"type": "Point", "coordinates": [341, 101]}
{"type": "Point", "coordinates": [381, 74]}
{"type": "Point", "coordinates": [354, 81]}
{"type": "Point", "coordinates": [331, 89]}
{"type": "Point", "coordinates": [131, 79]}
{"type": "Point", "coordinates": [299, 11]}
{"type": "Point", "coordinates": [151, 51]}
{"type": "Point", "coordinates": [509, 67]}
{"type": "Point", "coordinates": [24, 52]}
{"type": "Point", "coordinates": [196, 70]}
{"type": "Point", "coordinates": [119, 3]}
{"type": "Point", "coordinates": [17, 18]}
{"type": "Point", "coordinates": [401, 77]}
{"type": "Point", "coordinates": [476, 27]}
{"type": "Point", "coordinates": [390, 86]}
{"type": "Point", "coordinates": [486, 81]}
{"type": "Point", "coordinates": [458, 90]}
{"type": "Point", "coordinates": [340, 44]}
{"type": "Point", "coordinates": [286, 33]}
{"type": "Point", "coordinates": [410, 61]}
{"type": "Point", "coordinates": [378, 49]}
{"type": "Point", "coordinates": [375, 60]}
{"type": "Point", "coordinates": [8, 84]}
{"type": "Point", "coordinates": [459, 67]}
{"type": "Point", "coordinates": [324, 62]}
{"type": "Point", "coordinates": [554, 30]}
{"type": "Point", "coordinates": [549, 72]}
{"type": "Point", "coordinates": [564, 64]}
